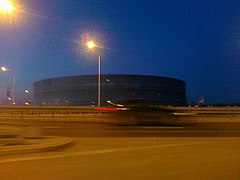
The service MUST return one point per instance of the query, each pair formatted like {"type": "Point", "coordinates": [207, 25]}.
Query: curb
{"type": "Point", "coordinates": [47, 143]}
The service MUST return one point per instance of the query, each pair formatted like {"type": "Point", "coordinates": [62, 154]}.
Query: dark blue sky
{"type": "Point", "coordinates": [197, 41]}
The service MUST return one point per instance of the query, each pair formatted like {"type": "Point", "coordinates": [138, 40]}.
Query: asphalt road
{"type": "Point", "coordinates": [107, 151]}
{"type": "Point", "coordinates": [119, 130]}
{"type": "Point", "coordinates": [131, 158]}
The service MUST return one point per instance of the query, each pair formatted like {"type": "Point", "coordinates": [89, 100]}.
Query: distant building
{"type": "Point", "coordinates": [122, 89]}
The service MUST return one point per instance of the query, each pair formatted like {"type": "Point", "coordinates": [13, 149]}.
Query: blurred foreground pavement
{"type": "Point", "coordinates": [131, 158]}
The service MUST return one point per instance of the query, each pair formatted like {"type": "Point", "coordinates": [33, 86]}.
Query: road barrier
{"type": "Point", "coordinates": [161, 115]}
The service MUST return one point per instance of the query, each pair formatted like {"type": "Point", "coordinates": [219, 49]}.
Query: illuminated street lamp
{"type": "Point", "coordinates": [28, 102]}
{"type": "Point", "coordinates": [26, 91]}
{"type": "Point", "coordinates": [92, 45]}
{"type": "Point", "coordinates": [11, 12]}
{"type": "Point", "coordinates": [6, 6]}
{"type": "Point", "coordinates": [4, 69]}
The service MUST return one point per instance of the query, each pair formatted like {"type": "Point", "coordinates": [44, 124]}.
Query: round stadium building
{"type": "Point", "coordinates": [119, 89]}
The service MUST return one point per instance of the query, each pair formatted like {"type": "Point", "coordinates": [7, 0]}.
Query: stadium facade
{"type": "Point", "coordinates": [121, 89]}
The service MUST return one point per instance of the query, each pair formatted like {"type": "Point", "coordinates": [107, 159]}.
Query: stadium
{"type": "Point", "coordinates": [120, 89]}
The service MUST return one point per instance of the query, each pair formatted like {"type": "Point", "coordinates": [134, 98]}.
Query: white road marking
{"type": "Point", "coordinates": [184, 114]}
{"type": "Point", "coordinates": [52, 127]}
{"type": "Point", "coordinates": [163, 127]}
{"type": "Point", "coordinates": [102, 151]}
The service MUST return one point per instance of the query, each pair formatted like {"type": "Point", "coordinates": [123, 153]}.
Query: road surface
{"type": "Point", "coordinates": [105, 151]}
{"type": "Point", "coordinates": [112, 130]}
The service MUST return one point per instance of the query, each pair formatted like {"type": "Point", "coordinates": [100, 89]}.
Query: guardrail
{"type": "Point", "coordinates": [61, 113]}
{"type": "Point", "coordinates": [136, 115]}
{"type": "Point", "coordinates": [208, 114]}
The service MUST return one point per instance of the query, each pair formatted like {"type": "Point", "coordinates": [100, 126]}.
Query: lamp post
{"type": "Point", "coordinates": [92, 45]}
{"type": "Point", "coordinates": [28, 102]}
{"type": "Point", "coordinates": [4, 69]}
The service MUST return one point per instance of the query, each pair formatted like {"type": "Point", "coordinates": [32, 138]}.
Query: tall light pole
{"type": "Point", "coordinates": [4, 69]}
{"type": "Point", "coordinates": [92, 45]}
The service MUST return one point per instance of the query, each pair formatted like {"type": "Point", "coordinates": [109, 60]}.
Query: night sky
{"type": "Point", "coordinates": [197, 41]}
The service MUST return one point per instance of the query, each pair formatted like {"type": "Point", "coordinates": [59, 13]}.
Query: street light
{"type": "Point", "coordinates": [28, 102]}
{"type": "Point", "coordinates": [11, 12]}
{"type": "Point", "coordinates": [4, 69]}
{"type": "Point", "coordinates": [6, 6]}
{"type": "Point", "coordinates": [92, 45]}
{"type": "Point", "coordinates": [26, 91]}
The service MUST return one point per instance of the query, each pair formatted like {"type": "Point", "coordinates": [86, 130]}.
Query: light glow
{"type": "Point", "coordinates": [4, 69]}
{"type": "Point", "coordinates": [6, 6]}
{"type": "Point", "coordinates": [91, 44]}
